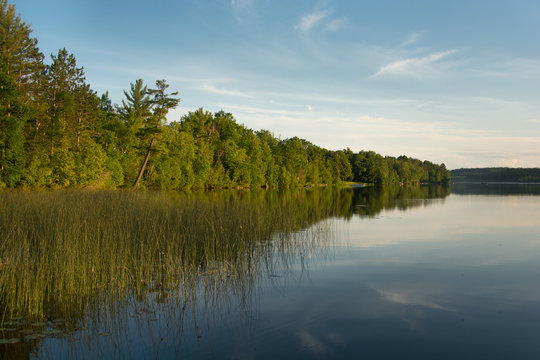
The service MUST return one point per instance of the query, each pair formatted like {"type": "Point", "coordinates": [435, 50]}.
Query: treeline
{"type": "Point", "coordinates": [498, 174]}
{"type": "Point", "coordinates": [373, 168]}
{"type": "Point", "coordinates": [55, 131]}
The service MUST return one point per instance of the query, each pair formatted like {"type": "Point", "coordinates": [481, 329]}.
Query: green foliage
{"type": "Point", "coordinates": [161, 102]}
{"type": "Point", "coordinates": [114, 168]}
{"type": "Point", "coordinates": [63, 168]}
{"type": "Point", "coordinates": [90, 163]}
{"type": "Point", "coordinates": [13, 116]}
{"type": "Point", "coordinates": [174, 169]}
{"type": "Point", "coordinates": [18, 50]}
{"type": "Point", "coordinates": [373, 168]}
{"type": "Point", "coordinates": [56, 132]}
{"type": "Point", "coordinates": [497, 174]}
{"type": "Point", "coordinates": [38, 173]}
{"type": "Point", "coordinates": [135, 110]}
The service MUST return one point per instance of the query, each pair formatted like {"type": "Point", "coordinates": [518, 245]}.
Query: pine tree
{"type": "Point", "coordinates": [162, 103]}
{"type": "Point", "coordinates": [64, 78]}
{"type": "Point", "coordinates": [13, 115]}
{"type": "Point", "coordinates": [74, 122]}
{"type": "Point", "coordinates": [18, 50]}
{"type": "Point", "coordinates": [132, 114]}
{"type": "Point", "coordinates": [136, 109]}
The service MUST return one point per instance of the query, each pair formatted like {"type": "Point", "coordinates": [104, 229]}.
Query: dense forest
{"type": "Point", "coordinates": [497, 174]}
{"type": "Point", "coordinates": [55, 131]}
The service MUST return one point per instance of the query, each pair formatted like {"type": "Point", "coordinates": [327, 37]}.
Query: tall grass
{"type": "Point", "coordinates": [62, 251]}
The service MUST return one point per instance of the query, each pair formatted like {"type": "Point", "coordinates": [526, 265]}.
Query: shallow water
{"type": "Point", "coordinates": [408, 277]}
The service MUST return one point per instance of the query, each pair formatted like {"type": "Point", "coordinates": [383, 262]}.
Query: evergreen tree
{"type": "Point", "coordinates": [64, 78]}
{"type": "Point", "coordinates": [71, 105]}
{"type": "Point", "coordinates": [136, 109]}
{"type": "Point", "coordinates": [162, 102]}
{"type": "Point", "coordinates": [13, 115]}
{"type": "Point", "coordinates": [18, 50]}
{"type": "Point", "coordinates": [24, 64]}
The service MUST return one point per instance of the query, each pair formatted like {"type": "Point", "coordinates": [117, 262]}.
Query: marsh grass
{"type": "Point", "coordinates": [63, 251]}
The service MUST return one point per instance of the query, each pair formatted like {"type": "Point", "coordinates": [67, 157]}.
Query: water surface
{"type": "Point", "coordinates": [420, 274]}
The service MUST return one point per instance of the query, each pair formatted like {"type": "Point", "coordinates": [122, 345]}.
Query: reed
{"type": "Point", "coordinates": [63, 251]}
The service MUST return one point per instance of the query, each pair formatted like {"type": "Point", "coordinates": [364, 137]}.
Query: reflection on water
{"type": "Point", "coordinates": [371, 201]}
{"type": "Point", "coordinates": [376, 273]}
{"type": "Point", "coordinates": [495, 189]}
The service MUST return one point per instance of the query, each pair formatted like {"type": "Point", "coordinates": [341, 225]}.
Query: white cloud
{"type": "Point", "coordinates": [313, 344]}
{"type": "Point", "coordinates": [520, 68]}
{"type": "Point", "coordinates": [336, 24]}
{"type": "Point", "coordinates": [343, 99]}
{"type": "Point", "coordinates": [414, 67]}
{"type": "Point", "coordinates": [215, 90]}
{"type": "Point", "coordinates": [414, 298]}
{"type": "Point", "coordinates": [307, 22]}
{"type": "Point", "coordinates": [412, 39]}
{"type": "Point", "coordinates": [251, 110]}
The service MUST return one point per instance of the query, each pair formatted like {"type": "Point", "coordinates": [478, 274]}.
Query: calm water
{"type": "Point", "coordinates": [422, 275]}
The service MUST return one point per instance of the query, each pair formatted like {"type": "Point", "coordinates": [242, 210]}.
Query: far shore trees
{"type": "Point", "coordinates": [55, 131]}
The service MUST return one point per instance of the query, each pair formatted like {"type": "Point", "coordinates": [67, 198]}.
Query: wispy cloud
{"type": "Point", "coordinates": [413, 38]}
{"type": "Point", "coordinates": [215, 90]}
{"type": "Point", "coordinates": [521, 68]}
{"type": "Point", "coordinates": [311, 343]}
{"type": "Point", "coordinates": [243, 9]}
{"type": "Point", "coordinates": [496, 101]}
{"type": "Point", "coordinates": [242, 4]}
{"type": "Point", "coordinates": [413, 67]}
{"type": "Point", "coordinates": [411, 298]}
{"type": "Point", "coordinates": [336, 24]}
{"type": "Point", "coordinates": [322, 19]}
{"type": "Point", "coordinates": [244, 109]}
{"type": "Point", "coordinates": [307, 22]}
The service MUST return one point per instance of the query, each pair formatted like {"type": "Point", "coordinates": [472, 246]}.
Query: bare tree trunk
{"type": "Point", "coordinates": [143, 167]}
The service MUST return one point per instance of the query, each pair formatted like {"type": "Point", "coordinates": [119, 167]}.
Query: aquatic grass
{"type": "Point", "coordinates": [62, 251]}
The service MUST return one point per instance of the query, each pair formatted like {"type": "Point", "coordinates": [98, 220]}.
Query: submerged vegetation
{"type": "Point", "coordinates": [55, 131]}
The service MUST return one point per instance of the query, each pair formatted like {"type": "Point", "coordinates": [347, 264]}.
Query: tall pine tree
{"type": "Point", "coordinates": [18, 50]}
{"type": "Point", "coordinates": [162, 102]}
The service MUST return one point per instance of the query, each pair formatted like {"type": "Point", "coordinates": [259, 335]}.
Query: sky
{"type": "Point", "coordinates": [454, 82]}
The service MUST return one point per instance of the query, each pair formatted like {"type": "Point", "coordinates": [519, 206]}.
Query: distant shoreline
{"type": "Point", "coordinates": [497, 175]}
{"type": "Point", "coordinates": [495, 183]}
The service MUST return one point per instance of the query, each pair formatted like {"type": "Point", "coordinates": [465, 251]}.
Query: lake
{"type": "Point", "coordinates": [422, 273]}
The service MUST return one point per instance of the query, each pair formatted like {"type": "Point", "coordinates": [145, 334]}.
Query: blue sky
{"type": "Point", "coordinates": [448, 81]}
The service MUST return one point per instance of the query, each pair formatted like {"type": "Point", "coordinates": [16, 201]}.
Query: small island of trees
{"type": "Point", "coordinates": [55, 131]}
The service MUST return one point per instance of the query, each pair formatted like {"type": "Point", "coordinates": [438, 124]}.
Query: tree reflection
{"type": "Point", "coordinates": [94, 267]}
